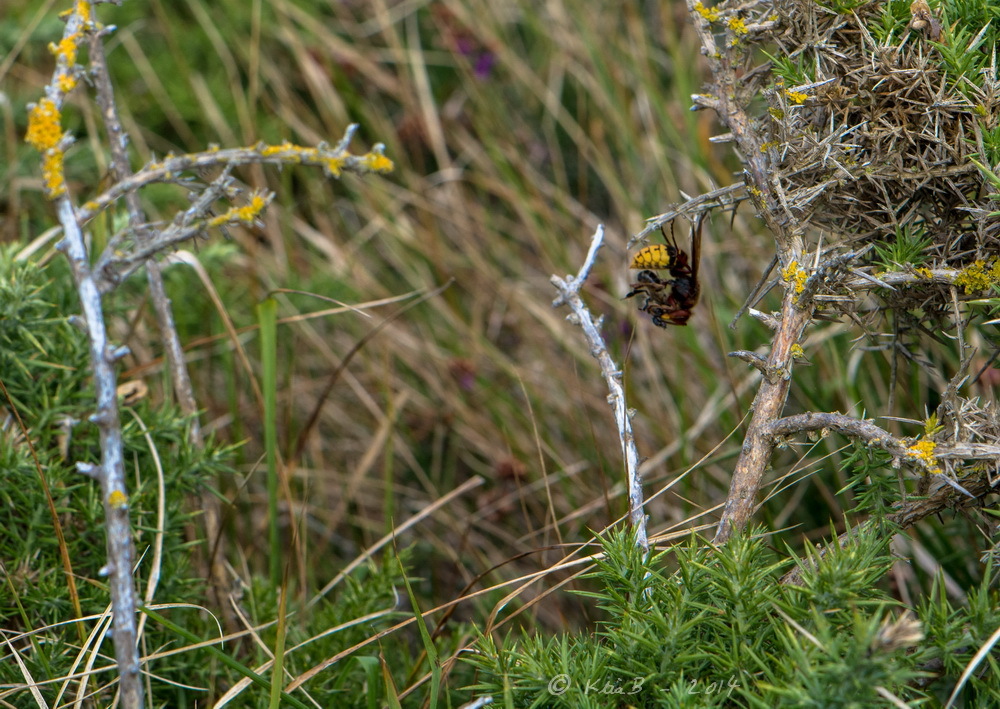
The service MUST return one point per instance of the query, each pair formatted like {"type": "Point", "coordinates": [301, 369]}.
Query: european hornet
{"type": "Point", "coordinates": [669, 301]}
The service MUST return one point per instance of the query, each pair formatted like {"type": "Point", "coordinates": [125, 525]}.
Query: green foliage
{"type": "Point", "coordinates": [716, 628]}
{"type": "Point", "coordinates": [961, 20]}
{"type": "Point", "coordinates": [874, 487]}
{"type": "Point", "coordinates": [955, 634]}
{"type": "Point", "coordinates": [842, 7]}
{"type": "Point", "coordinates": [962, 57]}
{"type": "Point", "coordinates": [893, 18]}
{"type": "Point", "coordinates": [969, 31]}
{"type": "Point", "coordinates": [973, 15]}
{"type": "Point", "coordinates": [991, 177]}
{"type": "Point", "coordinates": [991, 149]}
{"type": "Point", "coordinates": [46, 373]}
{"type": "Point", "coordinates": [834, 663]}
{"type": "Point", "coordinates": [906, 250]}
{"type": "Point", "coordinates": [43, 357]}
{"type": "Point", "coordinates": [845, 578]}
{"type": "Point", "coordinates": [793, 72]}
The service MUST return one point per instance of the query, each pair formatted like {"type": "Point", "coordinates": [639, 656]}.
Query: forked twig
{"type": "Point", "coordinates": [569, 294]}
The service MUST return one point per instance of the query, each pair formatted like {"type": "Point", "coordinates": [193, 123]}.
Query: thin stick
{"type": "Point", "coordinates": [569, 294]}
{"type": "Point", "coordinates": [52, 142]}
{"type": "Point", "coordinates": [111, 472]}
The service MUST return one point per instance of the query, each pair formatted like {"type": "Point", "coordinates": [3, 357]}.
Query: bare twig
{"type": "Point", "coordinates": [939, 276]}
{"type": "Point", "coordinates": [569, 294]}
{"type": "Point", "coordinates": [121, 170]}
{"type": "Point", "coordinates": [724, 196]}
{"type": "Point", "coordinates": [45, 133]}
{"type": "Point", "coordinates": [111, 472]}
{"type": "Point", "coordinates": [880, 438]}
{"type": "Point", "coordinates": [751, 358]}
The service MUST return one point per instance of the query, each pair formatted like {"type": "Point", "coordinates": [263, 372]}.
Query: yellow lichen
{"type": "Point", "coordinates": [768, 145]}
{"type": "Point", "coordinates": [44, 128]}
{"type": "Point", "coordinates": [924, 452]}
{"type": "Point", "coordinates": [268, 150]}
{"type": "Point", "coordinates": [335, 166]}
{"type": "Point", "coordinates": [118, 499]}
{"type": "Point", "coordinates": [796, 96]}
{"type": "Point", "coordinates": [67, 48]}
{"type": "Point", "coordinates": [67, 82]}
{"type": "Point", "coordinates": [377, 162]}
{"type": "Point", "coordinates": [53, 173]}
{"type": "Point", "coordinates": [776, 113]}
{"type": "Point", "coordinates": [83, 9]}
{"type": "Point", "coordinates": [924, 272]}
{"type": "Point", "coordinates": [246, 214]}
{"type": "Point", "coordinates": [976, 277]}
{"type": "Point", "coordinates": [711, 15]}
{"type": "Point", "coordinates": [737, 26]}
{"type": "Point", "coordinates": [796, 276]}
{"type": "Point", "coordinates": [374, 161]}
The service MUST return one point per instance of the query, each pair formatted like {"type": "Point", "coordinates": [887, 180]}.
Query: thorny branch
{"type": "Point", "coordinates": [758, 446]}
{"type": "Point", "coordinates": [726, 197]}
{"type": "Point", "coordinates": [569, 294]}
{"type": "Point", "coordinates": [723, 31]}
{"type": "Point", "coordinates": [878, 437]}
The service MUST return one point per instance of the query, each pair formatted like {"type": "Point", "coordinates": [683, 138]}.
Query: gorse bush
{"type": "Point", "coordinates": [699, 625]}
{"type": "Point", "coordinates": [857, 140]}
{"type": "Point", "coordinates": [46, 380]}
{"type": "Point", "coordinates": [50, 511]}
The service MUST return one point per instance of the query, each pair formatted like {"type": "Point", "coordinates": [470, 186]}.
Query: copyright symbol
{"type": "Point", "coordinates": [559, 684]}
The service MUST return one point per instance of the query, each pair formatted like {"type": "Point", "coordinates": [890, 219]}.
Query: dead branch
{"type": "Point", "coordinates": [569, 294]}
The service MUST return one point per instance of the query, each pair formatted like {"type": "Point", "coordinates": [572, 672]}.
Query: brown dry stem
{"type": "Point", "coordinates": [729, 101]}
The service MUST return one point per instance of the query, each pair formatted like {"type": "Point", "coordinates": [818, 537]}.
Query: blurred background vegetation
{"type": "Point", "coordinates": [515, 128]}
